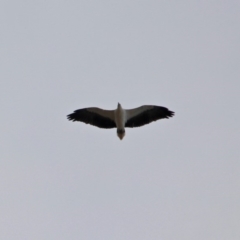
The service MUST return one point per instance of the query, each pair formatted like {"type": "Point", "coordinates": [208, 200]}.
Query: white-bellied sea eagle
{"type": "Point", "coordinates": [120, 118]}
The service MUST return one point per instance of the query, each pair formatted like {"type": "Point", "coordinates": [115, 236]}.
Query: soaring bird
{"type": "Point", "coordinates": [120, 118]}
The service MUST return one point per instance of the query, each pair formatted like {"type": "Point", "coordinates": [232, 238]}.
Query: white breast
{"type": "Point", "coordinates": [120, 118]}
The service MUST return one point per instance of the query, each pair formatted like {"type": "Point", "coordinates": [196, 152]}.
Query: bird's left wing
{"type": "Point", "coordinates": [95, 116]}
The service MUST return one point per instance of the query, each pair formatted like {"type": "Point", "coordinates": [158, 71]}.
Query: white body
{"type": "Point", "coordinates": [120, 118]}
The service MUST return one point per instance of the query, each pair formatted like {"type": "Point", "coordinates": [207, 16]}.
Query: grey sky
{"type": "Point", "coordinates": [173, 179]}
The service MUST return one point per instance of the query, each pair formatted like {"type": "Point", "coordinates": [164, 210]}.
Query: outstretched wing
{"type": "Point", "coordinates": [94, 116]}
{"type": "Point", "coordinates": [146, 114]}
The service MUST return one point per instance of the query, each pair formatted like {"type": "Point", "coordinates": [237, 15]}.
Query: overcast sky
{"type": "Point", "coordinates": [172, 179]}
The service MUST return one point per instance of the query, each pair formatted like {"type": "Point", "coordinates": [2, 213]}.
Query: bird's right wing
{"type": "Point", "coordinates": [146, 114]}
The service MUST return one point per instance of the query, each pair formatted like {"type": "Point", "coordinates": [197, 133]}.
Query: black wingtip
{"type": "Point", "coordinates": [170, 114]}
{"type": "Point", "coordinates": [70, 117]}
{"type": "Point", "coordinates": [167, 113]}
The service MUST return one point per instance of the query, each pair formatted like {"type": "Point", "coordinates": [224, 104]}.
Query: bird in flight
{"type": "Point", "coordinates": [120, 118]}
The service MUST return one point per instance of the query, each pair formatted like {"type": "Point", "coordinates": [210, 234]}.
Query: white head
{"type": "Point", "coordinates": [121, 133]}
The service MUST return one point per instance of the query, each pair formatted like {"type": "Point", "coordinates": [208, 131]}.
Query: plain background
{"type": "Point", "coordinates": [172, 179]}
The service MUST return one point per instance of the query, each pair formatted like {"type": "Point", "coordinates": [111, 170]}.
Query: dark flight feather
{"type": "Point", "coordinates": [83, 115]}
{"type": "Point", "coordinates": [149, 116]}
